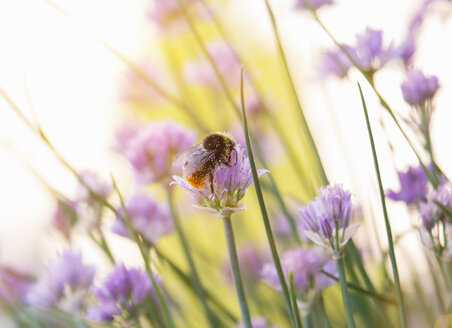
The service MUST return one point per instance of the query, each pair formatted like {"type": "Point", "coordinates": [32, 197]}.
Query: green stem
{"type": "Point", "coordinates": [234, 261]}
{"type": "Point", "coordinates": [385, 213]}
{"type": "Point", "coordinates": [136, 239]}
{"type": "Point", "coordinates": [265, 219]}
{"type": "Point", "coordinates": [199, 290]}
{"type": "Point", "coordinates": [362, 290]}
{"type": "Point", "coordinates": [446, 272]}
{"type": "Point", "coordinates": [306, 322]}
{"type": "Point", "coordinates": [344, 292]}
{"type": "Point", "coordinates": [304, 123]}
{"type": "Point", "coordinates": [105, 247]}
{"type": "Point", "coordinates": [186, 280]}
{"type": "Point", "coordinates": [293, 297]}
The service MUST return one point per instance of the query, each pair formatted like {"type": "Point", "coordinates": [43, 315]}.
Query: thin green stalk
{"type": "Point", "coordinates": [385, 213]}
{"type": "Point", "coordinates": [293, 297]}
{"type": "Point", "coordinates": [265, 219]}
{"type": "Point", "coordinates": [196, 281]}
{"type": "Point", "coordinates": [179, 103]}
{"type": "Point", "coordinates": [366, 292]}
{"type": "Point", "coordinates": [306, 322]}
{"type": "Point", "coordinates": [136, 239]}
{"type": "Point", "coordinates": [344, 292]}
{"type": "Point", "coordinates": [383, 102]}
{"type": "Point", "coordinates": [186, 280]}
{"type": "Point", "coordinates": [304, 123]}
{"type": "Point", "coordinates": [103, 246]}
{"type": "Point", "coordinates": [446, 270]}
{"type": "Point", "coordinates": [234, 261]}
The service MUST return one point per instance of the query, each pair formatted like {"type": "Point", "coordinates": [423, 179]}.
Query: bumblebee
{"type": "Point", "coordinates": [201, 160]}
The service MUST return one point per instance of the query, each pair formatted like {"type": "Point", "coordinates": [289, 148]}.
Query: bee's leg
{"type": "Point", "coordinates": [211, 182]}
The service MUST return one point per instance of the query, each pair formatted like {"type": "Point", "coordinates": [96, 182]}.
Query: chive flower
{"type": "Point", "coordinates": [413, 186]}
{"type": "Point", "coordinates": [327, 219]}
{"type": "Point", "coordinates": [149, 218]}
{"type": "Point", "coordinates": [121, 295]}
{"type": "Point", "coordinates": [152, 148]}
{"type": "Point", "coordinates": [436, 228]}
{"type": "Point", "coordinates": [311, 4]}
{"type": "Point", "coordinates": [229, 185]}
{"type": "Point", "coordinates": [305, 264]}
{"type": "Point", "coordinates": [64, 285]}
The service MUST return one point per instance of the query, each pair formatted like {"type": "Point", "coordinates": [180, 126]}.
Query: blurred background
{"type": "Point", "coordinates": [60, 75]}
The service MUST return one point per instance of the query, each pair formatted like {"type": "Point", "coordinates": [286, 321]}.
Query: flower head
{"type": "Point", "coordinates": [436, 227]}
{"type": "Point", "coordinates": [418, 88]}
{"type": "Point", "coordinates": [13, 287]}
{"type": "Point", "coordinates": [64, 285]}
{"type": "Point", "coordinates": [201, 72]}
{"type": "Point", "coordinates": [148, 218]}
{"type": "Point", "coordinates": [229, 185]}
{"type": "Point", "coordinates": [305, 264]}
{"type": "Point", "coordinates": [65, 217]}
{"type": "Point", "coordinates": [327, 218]}
{"type": "Point", "coordinates": [151, 149]}
{"type": "Point", "coordinates": [413, 186]}
{"type": "Point", "coordinates": [121, 294]}
{"type": "Point", "coordinates": [251, 260]}
{"type": "Point", "coordinates": [311, 4]}
{"type": "Point", "coordinates": [335, 62]}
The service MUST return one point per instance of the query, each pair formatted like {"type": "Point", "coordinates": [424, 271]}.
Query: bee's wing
{"type": "Point", "coordinates": [194, 159]}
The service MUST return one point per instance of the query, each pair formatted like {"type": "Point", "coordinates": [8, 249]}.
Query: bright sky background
{"type": "Point", "coordinates": [74, 86]}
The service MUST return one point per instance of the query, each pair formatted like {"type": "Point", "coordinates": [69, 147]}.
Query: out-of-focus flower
{"type": "Point", "coordinates": [369, 53]}
{"type": "Point", "coordinates": [121, 293]}
{"type": "Point", "coordinates": [13, 287]}
{"type": "Point", "coordinates": [151, 150]}
{"type": "Point", "coordinates": [64, 285]}
{"type": "Point", "coordinates": [65, 217]}
{"type": "Point", "coordinates": [436, 227]}
{"type": "Point", "coordinates": [327, 218]}
{"type": "Point", "coordinates": [335, 62]}
{"type": "Point", "coordinates": [168, 17]}
{"type": "Point", "coordinates": [413, 186]}
{"type": "Point", "coordinates": [135, 89]}
{"type": "Point", "coordinates": [257, 322]}
{"type": "Point", "coordinates": [418, 88]}
{"type": "Point", "coordinates": [251, 261]}
{"type": "Point", "coordinates": [311, 4]}
{"type": "Point", "coordinates": [91, 193]}
{"type": "Point", "coordinates": [149, 218]}
{"type": "Point", "coordinates": [305, 264]}
{"type": "Point", "coordinates": [201, 72]}
{"type": "Point", "coordinates": [229, 185]}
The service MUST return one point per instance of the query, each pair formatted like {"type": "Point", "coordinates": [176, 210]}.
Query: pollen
{"type": "Point", "coordinates": [196, 181]}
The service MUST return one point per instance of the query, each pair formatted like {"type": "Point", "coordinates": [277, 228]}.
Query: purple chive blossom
{"type": "Point", "coordinates": [413, 186]}
{"type": "Point", "coordinates": [335, 62]}
{"type": "Point", "coordinates": [229, 184]}
{"type": "Point", "coordinates": [305, 264]}
{"type": "Point", "coordinates": [64, 284]}
{"type": "Point", "coordinates": [436, 227]}
{"type": "Point", "coordinates": [251, 261]}
{"type": "Point", "coordinates": [152, 149]}
{"type": "Point", "coordinates": [311, 4]}
{"type": "Point", "coordinates": [168, 17]}
{"type": "Point", "coordinates": [13, 287]}
{"type": "Point", "coordinates": [418, 88]}
{"type": "Point", "coordinates": [149, 218]}
{"type": "Point", "coordinates": [257, 322]}
{"type": "Point", "coordinates": [201, 72]}
{"type": "Point", "coordinates": [65, 217]}
{"type": "Point", "coordinates": [121, 294]}
{"type": "Point", "coordinates": [327, 218]}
